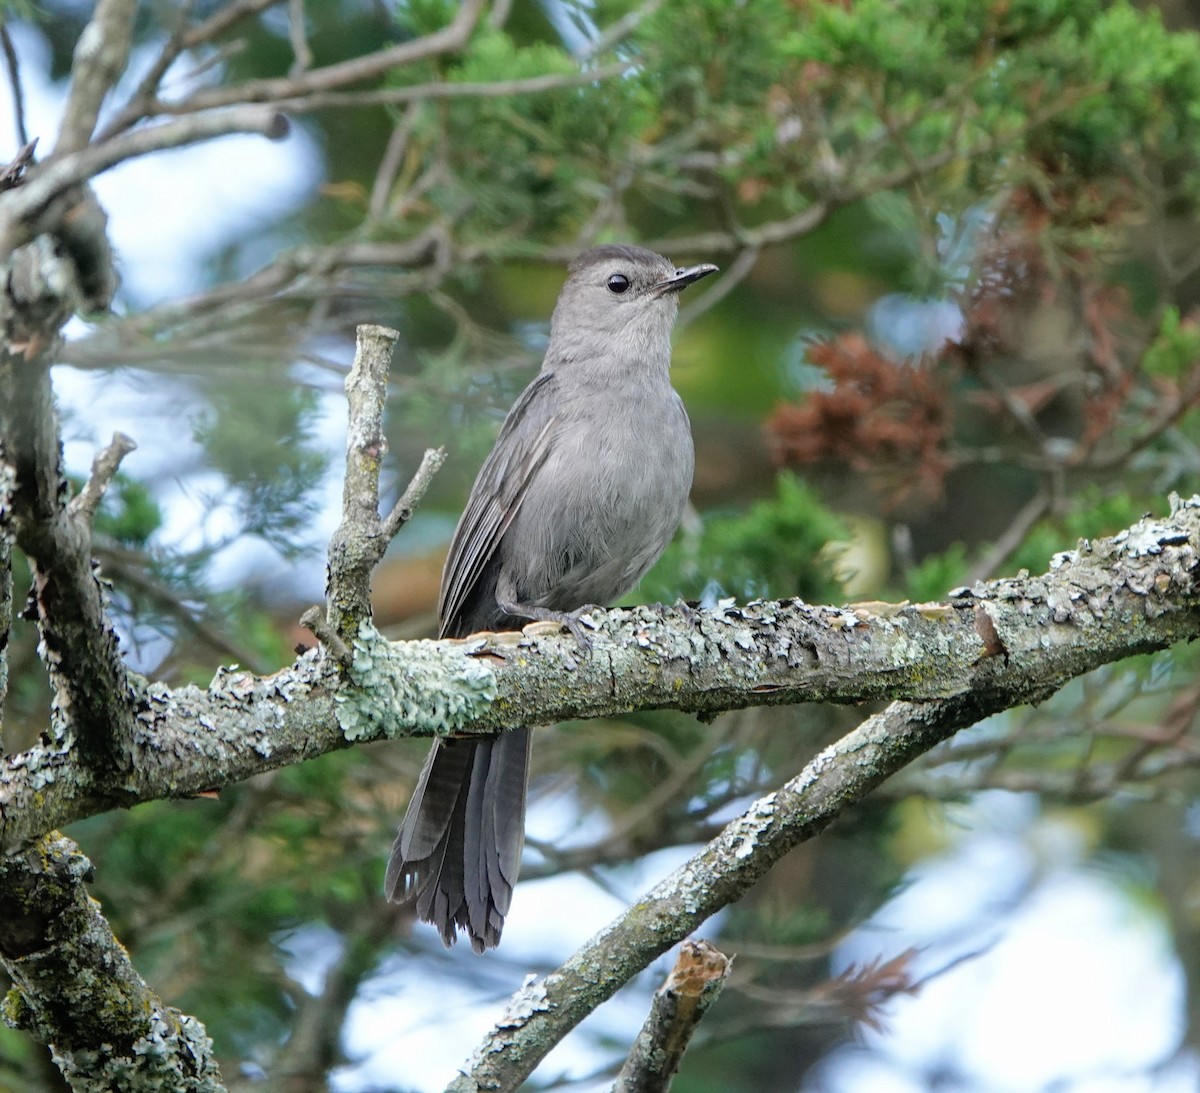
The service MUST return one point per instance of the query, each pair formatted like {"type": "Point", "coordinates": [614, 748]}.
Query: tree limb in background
{"type": "Point", "coordinates": [447, 40]}
{"type": "Point", "coordinates": [100, 57]}
{"type": "Point", "coordinates": [546, 1009]}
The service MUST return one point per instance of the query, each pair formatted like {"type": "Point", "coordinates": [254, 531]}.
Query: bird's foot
{"type": "Point", "coordinates": [571, 621]}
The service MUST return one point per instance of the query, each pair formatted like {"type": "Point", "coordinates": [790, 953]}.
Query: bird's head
{"type": "Point", "coordinates": [619, 300]}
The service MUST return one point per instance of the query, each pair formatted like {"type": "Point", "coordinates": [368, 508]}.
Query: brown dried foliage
{"type": "Point", "coordinates": [884, 417]}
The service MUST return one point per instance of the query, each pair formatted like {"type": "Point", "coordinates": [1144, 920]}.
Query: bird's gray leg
{"type": "Point", "coordinates": [506, 600]}
{"type": "Point", "coordinates": [568, 619]}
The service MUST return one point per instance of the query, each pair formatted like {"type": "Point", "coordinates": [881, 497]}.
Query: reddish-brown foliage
{"type": "Point", "coordinates": [884, 417]}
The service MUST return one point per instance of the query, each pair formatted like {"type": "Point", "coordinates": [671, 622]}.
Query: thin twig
{"type": "Point", "coordinates": [402, 512]}
{"type": "Point", "coordinates": [104, 467]}
{"type": "Point", "coordinates": [128, 568]}
{"type": "Point", "coordinates": [142, 99]}
{"type": "Point", "coordinates": [495, 89]}
{"type": "Point", "coordinates": [14, 82]}
{"type": "Point", "coordinates": [392, 161]}
{"type": "Point", "coordinates": [722, 286]}
{"type": "Point", "coordinates": [223, 19]}
{"type": "Point", "coordinates": [447, 40]}
{"type": "Point", "coordinates": [299, 39]}
{"type": "Point", "coordinates": [615, 32]}
{"type": "Point", "coordinates": [1014, 535]}
{"type": "Point", "coordinates": [315, 622]}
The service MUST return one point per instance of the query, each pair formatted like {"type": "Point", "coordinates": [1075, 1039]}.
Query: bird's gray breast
{"type": "Point", "coordinates": [606, 502]}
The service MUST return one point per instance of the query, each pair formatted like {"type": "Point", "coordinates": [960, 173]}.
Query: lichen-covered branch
{"type": "Point", "coordinates": [6, 584]}
{"type": "Point", "coordinates": [354, 548]}
{"type": "Point", "coordinates": [76, 990]}
{"type": "Point", "coordinates": [362, 537]}
{"type": "Point", "coordinates": [989, 648]}
{"type": "Point", "coordinates": [93, 715]}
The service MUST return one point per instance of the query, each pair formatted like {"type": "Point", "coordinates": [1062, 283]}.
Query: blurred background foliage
{"type": "Point", "coordinates": [955, 332]}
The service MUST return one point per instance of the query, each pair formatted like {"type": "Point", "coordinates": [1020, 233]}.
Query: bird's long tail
{"type": "Point", "coordinates": [458, 850]}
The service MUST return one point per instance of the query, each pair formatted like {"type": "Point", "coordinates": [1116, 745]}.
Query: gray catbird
{"type": "Point", "coordinates": [580, 495]}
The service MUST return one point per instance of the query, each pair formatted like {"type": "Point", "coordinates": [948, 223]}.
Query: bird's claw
{"type": "Point", "coordinates": [574, 622]}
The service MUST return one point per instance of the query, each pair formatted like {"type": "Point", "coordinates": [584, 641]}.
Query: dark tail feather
{"type": "Point", "coordinates": [458, 851]}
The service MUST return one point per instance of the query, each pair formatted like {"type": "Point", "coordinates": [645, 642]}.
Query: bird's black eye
{"type": "Point", "coordinates": [618, 283]}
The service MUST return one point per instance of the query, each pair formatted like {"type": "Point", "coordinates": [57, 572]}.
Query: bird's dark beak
{"type": "Point", "coordinates": [684, 277]}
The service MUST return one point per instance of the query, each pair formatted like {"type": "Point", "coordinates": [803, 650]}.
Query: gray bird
{"type": "Point", "coordinates": [582, 492]}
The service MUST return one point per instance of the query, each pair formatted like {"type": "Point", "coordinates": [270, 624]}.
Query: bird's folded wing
{"type": "Point", "coordinates": [524, 443]}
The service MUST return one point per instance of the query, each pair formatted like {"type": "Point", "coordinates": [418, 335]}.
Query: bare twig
{"type": "Point", "coordinates": [12, 173]}
{"type": "Point", "coordinates": [14, 82]}
{"type": "Point", "coordinates": [447, 40]}
{"type": "Point", "coordinates": [104, 467]}
{"type": "Point", "coordinates": [143, 98]}
{"type": "Point", "coordinates": [292, 266]}
{"type": "Point", "coordinates": [313, 1047]}
{"type": "Point", "coordinates": [392, 161]}
{"type": "Point", "coordinates": [730, 278]}
{"type": "Point", "coordinates": [402, 512]}
{"type": "Point", "coordinates": [100, 57]}
{"type": "Point", "coordinates": [495, 89]}
{"type": "Point", "coordinates": [314, 620]}
{"type": "Point", "coordinates": [299, 39]}
{"type": "Point", "coordinates": [129, 569]}
{"type": "Point", "coordinates": [693, 985]}
{"type": "Point", "coordinates": [225, 18]}
{"type": "Point", "coordinates": [1014, 535]}
{"type": "Point", "coordinates": [620, 29]}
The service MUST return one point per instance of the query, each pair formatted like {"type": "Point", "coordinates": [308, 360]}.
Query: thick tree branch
{"type": "Point", "coordinates": [105, 1027]}
{"type": "Point", "coordinates": [996, 646]}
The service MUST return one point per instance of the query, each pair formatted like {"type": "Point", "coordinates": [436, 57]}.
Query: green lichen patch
{"type": "Point", "coordinates": [412, 688]}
